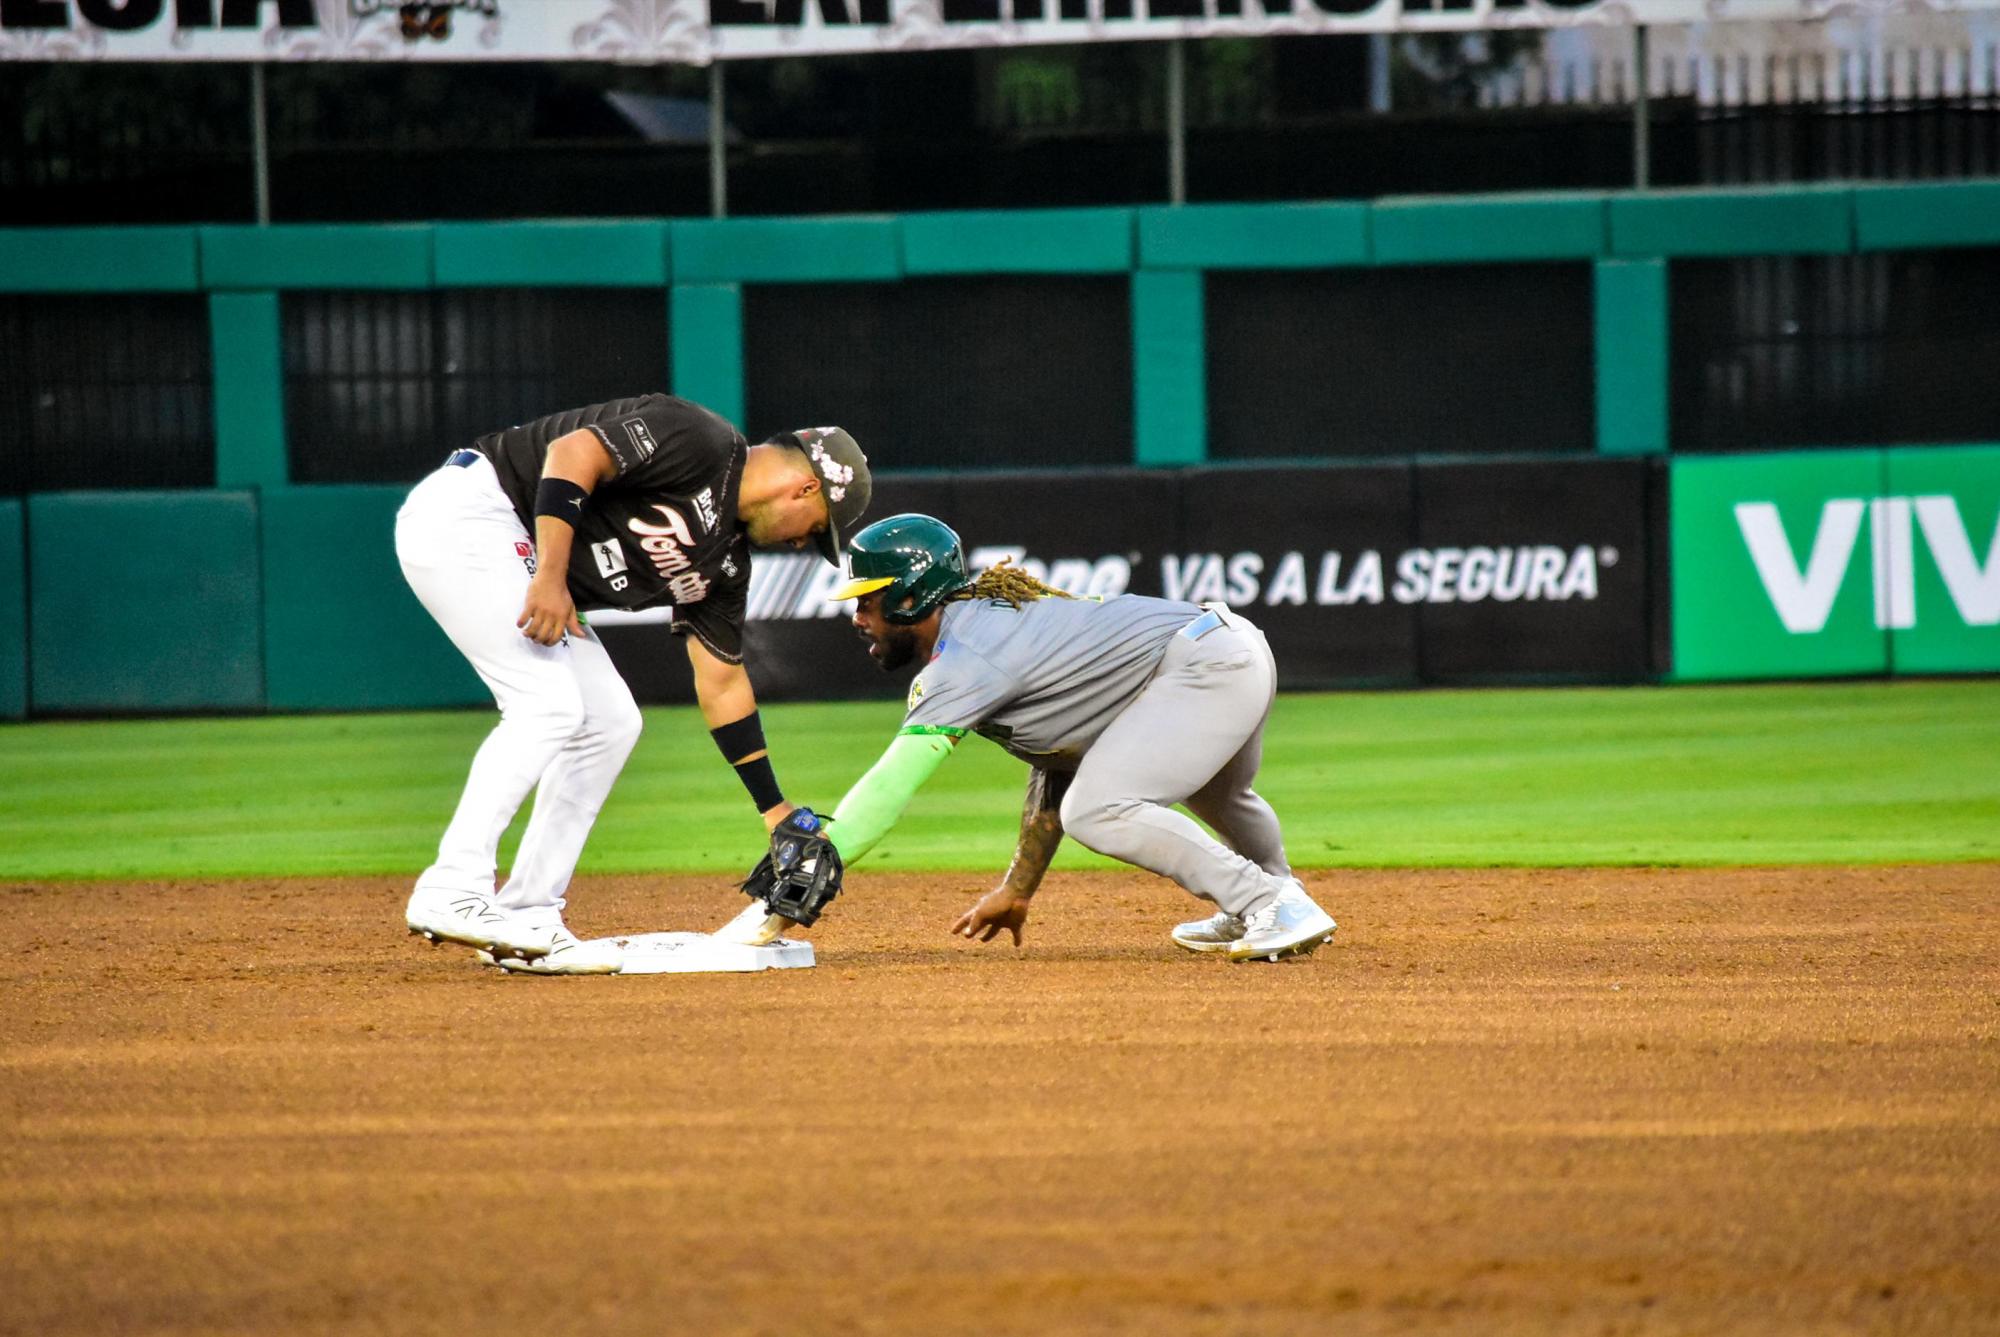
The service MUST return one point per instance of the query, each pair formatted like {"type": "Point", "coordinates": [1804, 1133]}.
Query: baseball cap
{"type": "Point", "coordinates": [842, 471]}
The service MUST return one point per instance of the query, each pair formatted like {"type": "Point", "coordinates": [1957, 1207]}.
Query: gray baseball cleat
{"type": "Point", "coordinates": [1290, 924]}
{"type": "Point", "coordinates": [437, 914]}
{"type": "Point", "coordinates": [1217, 933]}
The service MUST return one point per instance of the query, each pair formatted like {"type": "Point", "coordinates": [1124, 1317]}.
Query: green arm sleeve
{"type": "Point", "coordinates": [878, 798]}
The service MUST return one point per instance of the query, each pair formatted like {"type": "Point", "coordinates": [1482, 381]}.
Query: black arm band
{"type": "Point", "coordinates": [762, 782]}
{"type": "Point", "coordinates": [560, 499]}
{"type": "Point", "coordinates": [739, 738]}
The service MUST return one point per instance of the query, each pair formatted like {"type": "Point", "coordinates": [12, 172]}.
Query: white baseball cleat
{"type": "Point", "coordinates": [441, 915]}
{"type": "Point", "coordinates": [528, 934]}
{"type": "Point", "coordinates": [566, 955]}
{"type": "Point", "coordinates": [1290, 924]}
{"type": "Point", "coordinates": [1217, 933]}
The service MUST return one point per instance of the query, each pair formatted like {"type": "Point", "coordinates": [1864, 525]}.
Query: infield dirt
{"type": "Point", "coordinates": [1603, 1102]}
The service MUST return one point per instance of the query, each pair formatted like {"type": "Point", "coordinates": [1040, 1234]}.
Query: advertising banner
{"type": "Point", "coordinates": [696, 32]}
{"type": "Point", "coordinates": [1533, 570]}
{"type": "Point", "coordinates": [1781, 565]}
{"type": "Point", "coordinates": [1943, 520]}
{"type": "Point", "coordinates": [1362, 575]}
{"type": "Point", "coordinates": [1308, 554]}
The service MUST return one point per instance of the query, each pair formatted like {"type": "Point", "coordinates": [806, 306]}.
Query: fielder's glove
{"type": "Point", "coordinates": [801, 874]}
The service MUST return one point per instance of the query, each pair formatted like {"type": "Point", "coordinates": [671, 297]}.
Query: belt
{"type": "Point", "coordinates": [463, 459]}
{"type": "Point", "coordinates": [1201, 626]}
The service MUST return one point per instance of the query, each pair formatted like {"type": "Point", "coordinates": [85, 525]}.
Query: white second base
{"type": "Point", "coordinates": [697, 953]}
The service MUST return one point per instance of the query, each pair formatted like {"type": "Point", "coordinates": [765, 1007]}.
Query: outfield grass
{"type": "Point", "coordinates": [1828, 773]}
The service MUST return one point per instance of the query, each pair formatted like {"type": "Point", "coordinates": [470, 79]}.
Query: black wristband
{"type": "Point", "coordinates": [560, 499]}
{"type": "Point", "coordinates": [762, 782]}
{"type": "Point", "coordinates": [739, 738]}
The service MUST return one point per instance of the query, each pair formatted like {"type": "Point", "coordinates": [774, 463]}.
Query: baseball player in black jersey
{"type": "Point", "coordinates": [630, 504]}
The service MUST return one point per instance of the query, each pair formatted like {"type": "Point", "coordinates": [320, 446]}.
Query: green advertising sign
{"type": "Point", "coordinates": [1837, 562]}
{"type": "Point", "coordinates": [1774, 565]}
{"type": "Point", "coordinates": [1943, 520]}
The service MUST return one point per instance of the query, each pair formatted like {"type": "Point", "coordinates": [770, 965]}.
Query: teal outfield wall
{"type": "Point", "coordinates": [704, 265]}
{"type": "Point", "coordinates": [285, 599]}
{"type": "Point", "coordinates": [263, 595]}
{"type": "Point", "coordinates": [1789, 565]}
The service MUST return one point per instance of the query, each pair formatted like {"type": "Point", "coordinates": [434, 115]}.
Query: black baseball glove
{"type": "Point", "coordinates": [801, 874]}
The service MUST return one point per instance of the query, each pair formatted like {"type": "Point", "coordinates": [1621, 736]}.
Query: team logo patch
{"type": "Point", "coordinates": [610, 557]}
{"type": "Point", "coordinates": [640, 437]}
{"type": "Point", "coordinates": [916, 693]}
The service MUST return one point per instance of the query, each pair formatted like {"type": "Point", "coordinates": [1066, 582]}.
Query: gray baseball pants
{"type": "Point", "coordinates": [1195, 736]}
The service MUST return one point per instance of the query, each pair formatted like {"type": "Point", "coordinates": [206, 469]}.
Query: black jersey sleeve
{"type": "Point", "coordinates": [665, 443]}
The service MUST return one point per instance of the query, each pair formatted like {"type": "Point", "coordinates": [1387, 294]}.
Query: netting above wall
{"type": "Point", "coordinates": [1889, 348]}
{"type": "Point", "coordinates": [963, 373]}
{"type": "Point", "coordinates": [105, 392]}
{"type": "Point", "coordinates": [1462, 359]}
{"type": "Point", "coordinates": [380, 386]}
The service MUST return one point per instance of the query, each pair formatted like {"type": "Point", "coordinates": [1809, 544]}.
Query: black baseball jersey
{"type": "Point", "coordinates": [664, 530]}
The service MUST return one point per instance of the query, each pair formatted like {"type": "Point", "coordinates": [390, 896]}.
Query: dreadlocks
{"type": "Point", "coordinates": [1003, 580]}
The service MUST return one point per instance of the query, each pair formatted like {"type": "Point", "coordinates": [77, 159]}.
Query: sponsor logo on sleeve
{"type": "Point", "coordinates": [640, 436]}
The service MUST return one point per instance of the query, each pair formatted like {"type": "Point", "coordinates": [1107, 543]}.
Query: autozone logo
{"type": "Point", "coordinates": [1803, 594]}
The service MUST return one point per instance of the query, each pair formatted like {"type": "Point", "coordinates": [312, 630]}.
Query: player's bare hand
{"type": "Point", "coordinates": [1000, 908]}
{"type": "Point", "coordinates": [548, 611]}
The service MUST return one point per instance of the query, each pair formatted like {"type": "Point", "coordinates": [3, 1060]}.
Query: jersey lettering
{"type": "Point", "coordinates": [666, 543]}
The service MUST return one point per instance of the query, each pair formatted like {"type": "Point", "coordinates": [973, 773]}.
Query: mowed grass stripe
{"type": "Point", "coordinates": [1793, 773]}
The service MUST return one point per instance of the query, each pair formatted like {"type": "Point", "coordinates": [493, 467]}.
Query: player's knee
{"type": "Point", "coordinates": [623, 724]}
{"type": "Point", "coordinates": [555, 712]}
{"type": "Point", "coordinates": [1090, 817]}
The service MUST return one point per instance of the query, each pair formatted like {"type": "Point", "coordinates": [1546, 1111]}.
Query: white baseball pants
{"type": "Point", "coordinates": [567, 720]}
{"type": "Point", "coordinates": [1195, 735]}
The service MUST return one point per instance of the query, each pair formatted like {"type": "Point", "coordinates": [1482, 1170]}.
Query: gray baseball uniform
{"type": "Point", "coordinates": [1151, 702]}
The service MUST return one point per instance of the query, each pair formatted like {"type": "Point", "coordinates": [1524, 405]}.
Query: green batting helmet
{"type": "Point", "coordinates": [913, 560]}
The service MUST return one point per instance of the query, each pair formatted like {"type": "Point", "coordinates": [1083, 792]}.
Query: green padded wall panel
{"type": "Point", "coordinates": [1253, 236]}
{"type": "Point", "coordinates": [1019, 241]}
{"type": "Point", "coordinates": [706, 321]}
{"type": "Point", "coordinates": [98, 259]}
{"type": "Point", "coordinates": [1958, 213]}
{"type": "Point", "coordinates": [1169, 372]}
{"type": "Point", "coordinates": [13, 612]}
{"type": "Point", "coordinates": [1630, 331]}
{"type": "Point", "coordinates": [786, 250]}
{"type": "Point", "coordinates": [1417, 231]}
{"type": "Point", "coordinates": [341, 628]}
{"type": "Point", "coordinates": [144, 601]}
{"type": "Point", "coordinates": [249, 389]}
{"type": "Point", "coordinates": [298, 255]}
{"type": "Point", "coordinates": [570, 253]}
{"type": "Point", "coordinates": [1770, 220]}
